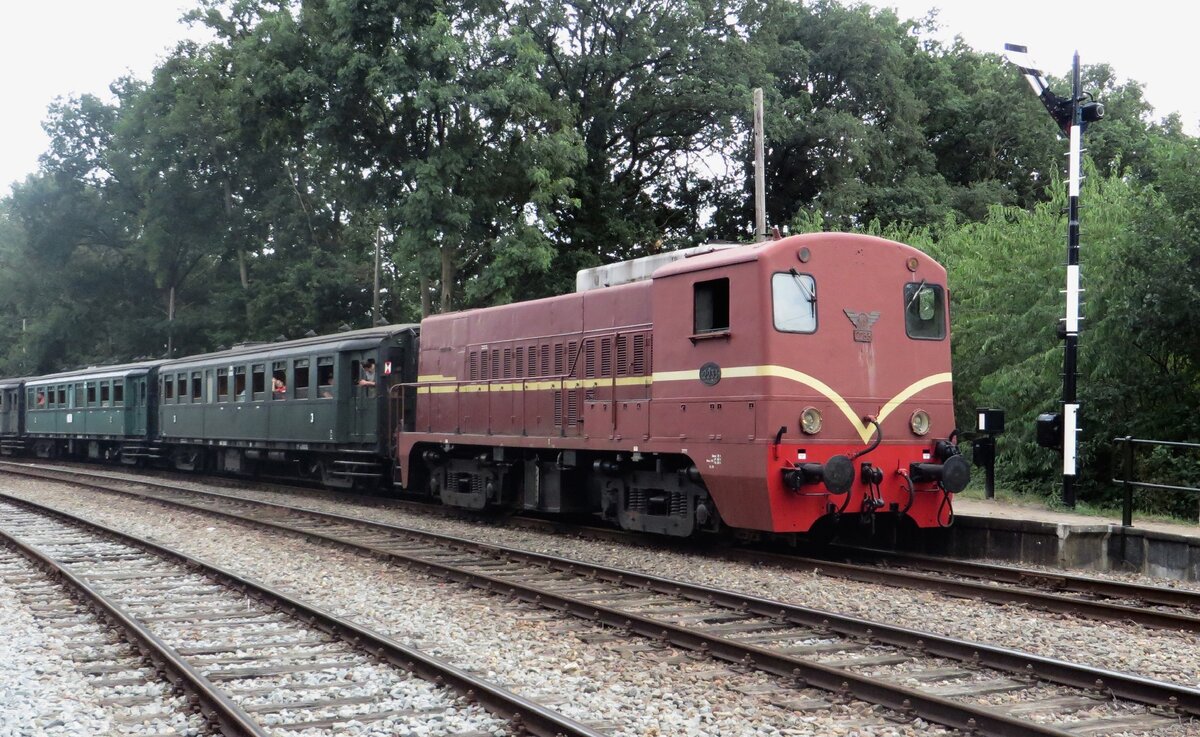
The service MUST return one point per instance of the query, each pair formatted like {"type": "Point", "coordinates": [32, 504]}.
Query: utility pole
{"type": "Point", "coordinates": [1072, 116]}
{"type": "Point", "coordinates": [375, 300]}
{"type": "Point", "coordinates": [760, 174]}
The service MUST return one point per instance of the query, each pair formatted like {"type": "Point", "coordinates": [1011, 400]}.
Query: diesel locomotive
{"type": "Point", "coordinates": [762, 387]}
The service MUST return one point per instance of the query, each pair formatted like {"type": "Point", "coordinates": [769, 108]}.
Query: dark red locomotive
{"type": "Point", "coordinates": [761, 387]}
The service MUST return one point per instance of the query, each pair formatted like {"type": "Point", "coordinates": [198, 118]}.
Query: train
{"type": "Point", "coordinates": [757, 388]}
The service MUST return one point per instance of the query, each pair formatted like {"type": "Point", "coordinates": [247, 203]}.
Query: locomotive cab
{"type": "Point", "coordinates": [824, 358]}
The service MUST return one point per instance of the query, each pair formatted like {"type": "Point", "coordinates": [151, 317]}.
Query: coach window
{"type": "Point", "coordinates": [239, 383]}
{"type": "Point", "coordinates": [91, 393]}
{"type": "Point", "coordinates": [300, 378]}
{"type": "Point", "coordinates": [168, 389]}
{"type": "Point", "coordinates": [222, 385]}
{"type": "Point", "coordinates": [924, 311]}
{"type": "Point", "coordinates": [119, 393]}
{"type": "Point", "coordinates": [258, 381]}
{"type": "Point", "coordinates": [197, 387]}
{"type": "Point", "coordinates": [181, 387]}
{"type": "Point", "coordinates": [279, 380]}
{"type": "Point", "coordinates": [325, 377]}
{"type": "Point", "coordinates": [105, 394]}
{"type": "Point", "coordinates": [794, 302]}
{"type": "Point", "coordinates": [711, 303]}
{"type": "Point", "coordinates": [62, 396]}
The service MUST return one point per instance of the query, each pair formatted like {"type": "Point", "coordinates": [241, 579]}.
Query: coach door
{"type": "Point", "coordinates": [365, 383]}
{"type": "Point", "coordinates": [135, 404]}
{"type": "Point", "coordinates": [9, 413]}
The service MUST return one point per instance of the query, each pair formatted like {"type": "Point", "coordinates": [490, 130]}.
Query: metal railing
{"type": "Point", "coordinates": [1126, 446]}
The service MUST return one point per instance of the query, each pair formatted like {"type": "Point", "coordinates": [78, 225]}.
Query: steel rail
{"type": "Point", "coordinates": [534, 718]}
{"type": "Point", "coordinates": [1156, 595]}
{"type": "Point", "coordinates": [1058, 603]}
{"type": "Point", "coordinates": [944, 711]}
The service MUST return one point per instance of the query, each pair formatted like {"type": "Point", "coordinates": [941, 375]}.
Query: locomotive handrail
{"type": "Point", "coordinates": [1128, 484]}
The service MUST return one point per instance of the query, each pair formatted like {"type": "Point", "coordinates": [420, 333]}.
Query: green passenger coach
{"type": "Point", "coordinates": [318, 405]}
{"type": "Point", "coordinates": [104, 412]}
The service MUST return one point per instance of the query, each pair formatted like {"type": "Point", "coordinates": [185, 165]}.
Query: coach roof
{"type": "Point", "coordinates": [351, 340]}
{"type": "Point", "coordinates": [94, 373]}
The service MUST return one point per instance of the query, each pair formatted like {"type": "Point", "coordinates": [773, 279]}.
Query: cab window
{"type": "Point", "coordinates": [924, 311]}
{"type": "Point", "coordinates": [794, 302]}
{"type": "Point", "coordinates": [710, 300]}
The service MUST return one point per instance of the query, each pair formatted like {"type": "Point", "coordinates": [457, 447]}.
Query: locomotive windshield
{"type": "Point", "coordinates": [924, 311]}
{"type": "Point", "coordinates": [795, 302]}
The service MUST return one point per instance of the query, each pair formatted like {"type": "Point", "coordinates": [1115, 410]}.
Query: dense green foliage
{"type": "Point", "coordinates": [497, 147]}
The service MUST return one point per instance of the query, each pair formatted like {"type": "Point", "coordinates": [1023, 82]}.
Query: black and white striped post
{"type": "Point", "coordinates": [1072, 115]}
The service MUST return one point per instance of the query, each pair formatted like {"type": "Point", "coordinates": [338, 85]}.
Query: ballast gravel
{"type": "Point", "coordinates": [581, 671]}
{"type": "Point", "coordinates": [43, 693]}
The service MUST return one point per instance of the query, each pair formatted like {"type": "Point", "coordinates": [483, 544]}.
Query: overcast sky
{"type": "Point", "coordinates": [59, 48]}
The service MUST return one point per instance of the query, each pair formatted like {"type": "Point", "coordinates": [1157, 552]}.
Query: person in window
{"type": "Point", "coordinates": [41, 399]}
{"type": "Point", "coordinates": [368, 373]}
{"type": "Point", "coordinates": [278, 388]}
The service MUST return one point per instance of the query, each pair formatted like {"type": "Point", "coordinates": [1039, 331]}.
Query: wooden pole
{"type": "Point", "coordinates": [375, 298]}
{"type": "Point", "coordinates": [760, 191]}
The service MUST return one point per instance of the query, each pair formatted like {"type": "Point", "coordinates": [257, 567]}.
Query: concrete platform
{"type": "Point", "coordinates": [1023, 534]}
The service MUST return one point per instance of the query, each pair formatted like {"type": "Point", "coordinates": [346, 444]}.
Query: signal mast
{"type": "Point", "coordinates": [1072, 114]}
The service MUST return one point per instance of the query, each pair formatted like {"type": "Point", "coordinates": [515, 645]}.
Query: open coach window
{"type": "Point", "coordinates": [794, 302]}
{"type": "Point", "coordinates": [924, 311]}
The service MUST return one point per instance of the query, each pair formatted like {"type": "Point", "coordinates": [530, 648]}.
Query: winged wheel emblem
{"type": "Point", "coordinates": [862, 322]}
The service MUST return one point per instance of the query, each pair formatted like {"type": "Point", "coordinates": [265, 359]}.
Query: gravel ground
{"type": "Point", "coordinates": [1159, 654]}
{"type": "Point", "coordinates": [585, 673]}
{"type": "Point", "coordinates": [42, 692]}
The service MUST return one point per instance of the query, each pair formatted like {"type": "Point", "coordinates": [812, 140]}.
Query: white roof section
{"type": "Point", "coordinates": [639, 269]}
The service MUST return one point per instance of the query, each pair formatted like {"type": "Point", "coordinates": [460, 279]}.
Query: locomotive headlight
{"type": "Point", "coordinates": [810, 421]}
{"type": "Point", "coordinates": [919, 422]}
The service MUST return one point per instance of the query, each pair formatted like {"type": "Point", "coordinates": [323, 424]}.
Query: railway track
{"type": "Point", "coordinates": [257, 661]}
{"type": "Point", "coordinates": [1084, 596]}
{"type": "Point", "coordinates": [128, 683]}
{"type": "Point", "coordinates": [959, 684]}
{"type": "Point", "coordinates": [1181, 606]}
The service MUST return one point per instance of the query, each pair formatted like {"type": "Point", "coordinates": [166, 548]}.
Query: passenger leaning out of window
{"type": "Point", "coordinates": [368, 373]}
{"type": "Point", "coordinates": [278, 388]}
